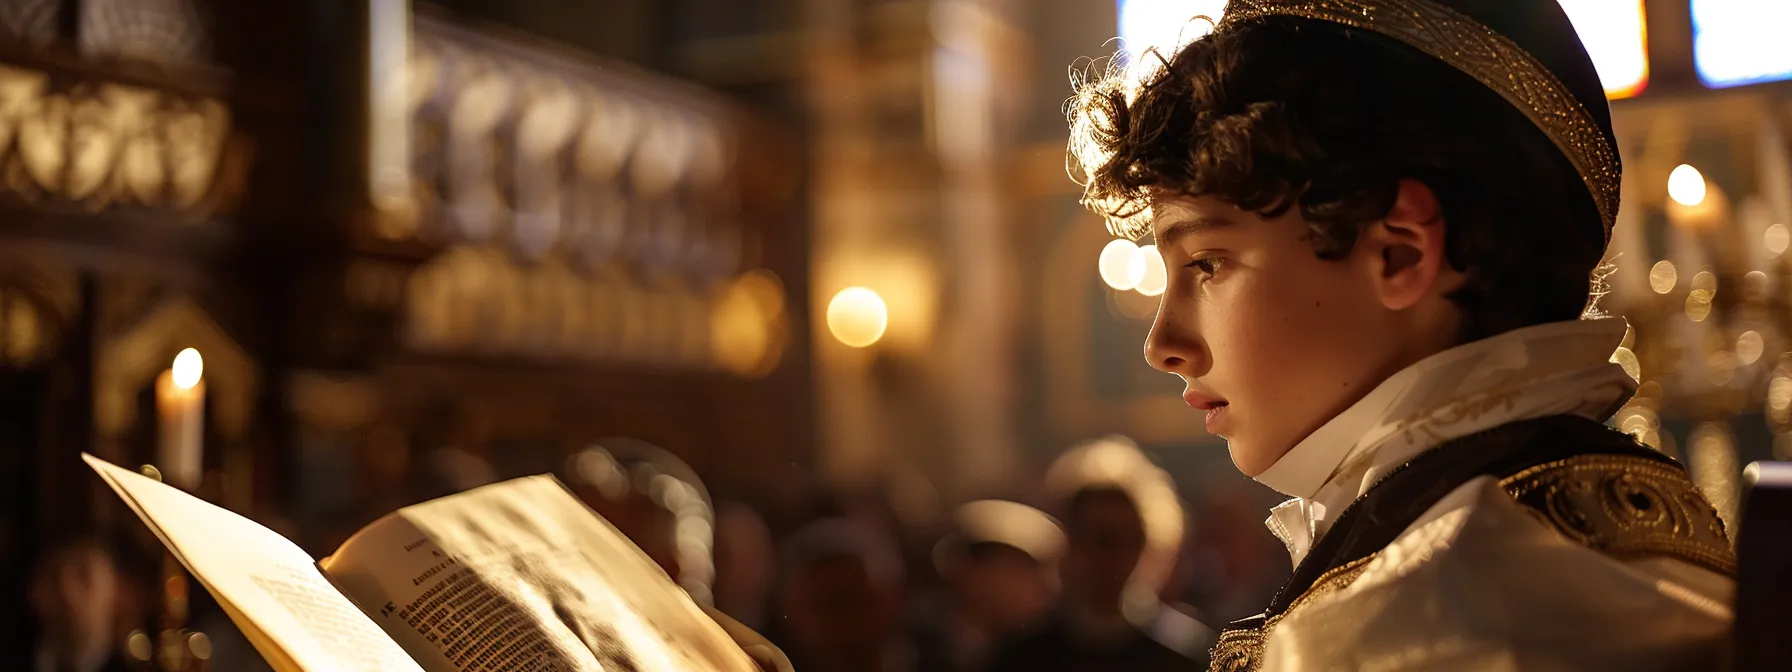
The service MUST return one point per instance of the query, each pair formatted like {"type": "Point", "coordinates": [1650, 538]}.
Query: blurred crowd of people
{"type": "Point", "coordinates": [1103, 568]}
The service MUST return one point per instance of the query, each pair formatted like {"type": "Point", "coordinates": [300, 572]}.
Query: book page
{"type": "Point", "coordinates": [266, 584]}
{"type": "Point", "coordinates": [522, 576]}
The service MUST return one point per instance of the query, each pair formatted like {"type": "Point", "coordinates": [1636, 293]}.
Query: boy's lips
{"type": "Point", "coordinates": [1215, 407]}
{"type": "Point", "coordinates": [1216, 420]}
{"type": "Point", "coordinates": [1205, 402]}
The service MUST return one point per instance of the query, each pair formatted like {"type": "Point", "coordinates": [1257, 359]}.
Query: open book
{"type": "Point", "coordinates": [519, 576]}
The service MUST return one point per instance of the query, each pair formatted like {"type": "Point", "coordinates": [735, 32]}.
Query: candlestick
{"type": "Point", "coordinates": [180, 412]}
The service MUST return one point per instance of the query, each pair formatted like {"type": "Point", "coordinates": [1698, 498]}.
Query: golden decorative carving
{"type": "Point", "coordinates": [105, 145]}
{"type": "Point", "coordinates": [479, 299]}
{"type": "Point", "coordinates": [521, 147]}
{"type": "Point", "coordinates": [588, 211]}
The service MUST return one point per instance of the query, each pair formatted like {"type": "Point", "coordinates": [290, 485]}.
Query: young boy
{"type": "Point", "coordinates": [1380, 219]}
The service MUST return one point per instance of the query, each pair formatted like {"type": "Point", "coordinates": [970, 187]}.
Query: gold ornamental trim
{"type": "Point", "coordinates": [1489, 57]}
{"type": "Point", "coordinates": [1627, 507]}
{"type": "Point", "coordinates": [1620, 505]}
{"type": "Point", "coordinates": [1241, 649]}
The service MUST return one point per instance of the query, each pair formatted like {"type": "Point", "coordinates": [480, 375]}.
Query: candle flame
{"type": "Point", "coordinates": [188, 367]}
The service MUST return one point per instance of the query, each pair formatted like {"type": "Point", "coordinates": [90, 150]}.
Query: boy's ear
{"type": "Point", "coordinates": [1408, 248]}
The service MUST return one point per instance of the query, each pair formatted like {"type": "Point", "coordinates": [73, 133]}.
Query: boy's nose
{"type": "Point", "coordinates": [1169, 352]}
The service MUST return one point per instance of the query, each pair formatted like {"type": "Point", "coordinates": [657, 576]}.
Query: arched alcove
{"type": "Point", "coordinates": [131, 360]}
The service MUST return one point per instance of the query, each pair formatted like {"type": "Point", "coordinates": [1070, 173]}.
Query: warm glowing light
{"type": "Point", "coordinates": [1135, 306]}
{"type": "Point", "coordinates": [1776, 238]}
{"type": "Point", "coordinates": [1720, 366]}
{"type": "Point", "coordinates": [1738, 42]}
{"type": "Point", "coordinates": [1663, 277]}
{"type": "Point", "coordinates": [1156, 277]}
{"type": "Point", "coordinates": [1698, 304]}
{"type": "Point", "coordinates": [1642, 423]}
{"type": "Point", "coordinates": [188, 368]}
{"type": "Point", "coordinates": [1754, 285]}
{"type": "Point", "coordinates": [1627, 359]}
{"type": "Point", "coordinates": [746, 324]}
{"type": "Point", "coordinates": [857, 316]}
{"type": "Point", "coordinates": [138, 643]}
{"type": "Point", "coordinates": [1122, 265]}
{"type": "Point", "coordinates": [1714, 467]}
{"type": "Point", "coordinates": [200, 646]}
{"type": "Point", "coordinates": [1686, 185]}
{"type": "Point", "coordinates": [1016, 524]}
{"type": "Point", "coordinates": [1164, 25]}
{"type": "Point", "coordinates": [1704, 290]}
{"type": "Point", "coordinates": [1779, 399]}
{"type": "Point", "coordinates": [1637, 418]}
{"type": "Point", "coordinates": [1704, 281]}
{"type": "Point", "coordinates": [1613, 33]}
{"type": "Point", "coordinates": [1749, 346]}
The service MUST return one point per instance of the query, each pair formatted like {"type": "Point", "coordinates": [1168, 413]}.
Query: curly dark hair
{"type": "Point", "coordinates": [1283, 113]}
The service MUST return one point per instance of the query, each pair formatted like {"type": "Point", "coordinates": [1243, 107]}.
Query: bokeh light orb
{"type": "Point", "coordinates": [858, 317]}
{"type": "Point", "coordinates": [1686, 185]}
{"type": "Point", "coordinates": [1156, 277]}
{"type": "Point", "coordinates": [1122, 265]}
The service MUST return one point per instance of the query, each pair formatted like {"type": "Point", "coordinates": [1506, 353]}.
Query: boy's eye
{"type": "Point", "coordinates": [1206, 266]}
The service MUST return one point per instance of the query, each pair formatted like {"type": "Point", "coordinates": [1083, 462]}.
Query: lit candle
{"type": "Point", "coordinates": [180, 413]}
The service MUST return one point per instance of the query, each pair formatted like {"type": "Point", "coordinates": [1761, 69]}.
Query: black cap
{"type": "Point", "coordinates": [1527, 51]}
{"type": "Point", "coordinates": [1542, 29]}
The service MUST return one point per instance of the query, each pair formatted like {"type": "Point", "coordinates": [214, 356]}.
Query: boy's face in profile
{"type": "Point", "coordinates": [1274, 341]}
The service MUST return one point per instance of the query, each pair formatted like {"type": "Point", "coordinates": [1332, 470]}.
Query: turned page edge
{"type": "Point", "coordinates": [277, 650]}
{"type": "Point", "coordinates": [276, 655]}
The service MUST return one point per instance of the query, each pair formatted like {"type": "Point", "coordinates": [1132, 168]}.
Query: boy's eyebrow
{"type": "Point", "coordinates": [1186, 227]}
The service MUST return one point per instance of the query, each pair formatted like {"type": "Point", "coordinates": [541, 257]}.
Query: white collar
{"type": "Point", "coordinates": [1548, 369]}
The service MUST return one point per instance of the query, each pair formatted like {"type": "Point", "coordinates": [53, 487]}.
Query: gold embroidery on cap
{"type": "Point", "coordinates": [1489, 57]}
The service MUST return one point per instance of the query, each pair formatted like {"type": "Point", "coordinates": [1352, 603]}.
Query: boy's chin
{"type": "Point", "coordinates": [1253, 458]}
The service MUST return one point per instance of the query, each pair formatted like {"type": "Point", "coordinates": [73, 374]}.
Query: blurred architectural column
{"type": "Point", "coordinates": [909, 102]}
